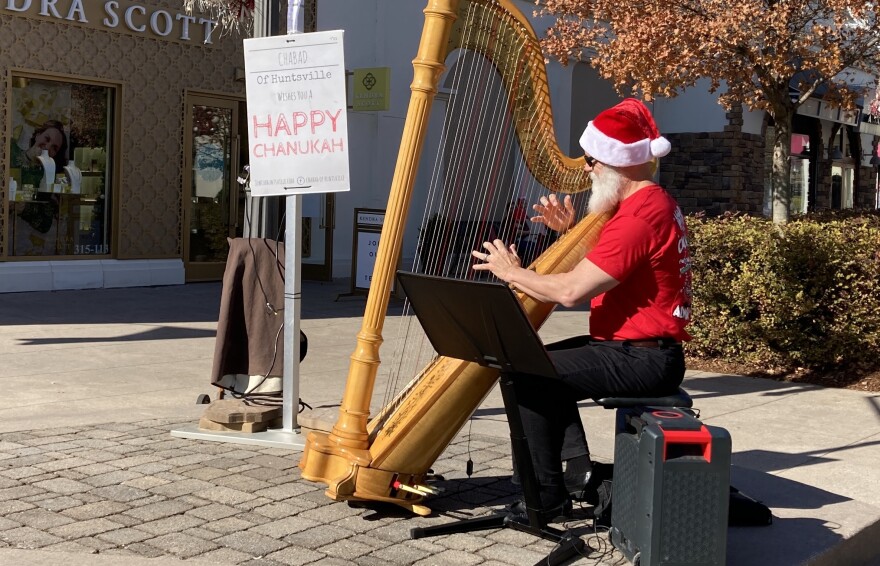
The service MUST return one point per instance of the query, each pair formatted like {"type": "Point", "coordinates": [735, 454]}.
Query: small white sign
{"type": "Point", "coordinates": [371, 218]}
{"type": "Point", "coordinates": [367, 247]}
{"type": "Point", "coordinates": [297, 121]}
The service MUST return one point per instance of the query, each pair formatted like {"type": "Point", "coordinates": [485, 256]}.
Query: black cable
{"type": "Point", "coordinates": [269, 306]}
{"type": "Point", "coordinates": [262, 399]}
{"type": "Point", "coordinates": [469, 467]}
{"type": "Point", "coordinates": [599, 550]}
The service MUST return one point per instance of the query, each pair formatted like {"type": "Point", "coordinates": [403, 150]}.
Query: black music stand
{"type": "Point", "coordinates": [484, 322]}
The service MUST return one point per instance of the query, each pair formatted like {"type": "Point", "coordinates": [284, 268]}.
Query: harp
{"type": "Point", "coordinates": [363, 458]}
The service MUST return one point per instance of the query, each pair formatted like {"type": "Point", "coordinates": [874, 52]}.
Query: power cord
{"type": "Point", "coordinates": [596, 547]}
{"type": "Point", "coordinates": [469, 467]}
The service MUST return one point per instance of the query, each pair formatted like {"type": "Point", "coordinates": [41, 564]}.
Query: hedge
{"type": "Point", "coordinates": [785, 298]}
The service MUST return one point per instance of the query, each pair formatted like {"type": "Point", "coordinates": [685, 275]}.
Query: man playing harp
{"type": "Point", "coordinates": [637, 279]}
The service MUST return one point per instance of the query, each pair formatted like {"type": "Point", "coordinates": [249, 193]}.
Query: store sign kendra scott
{"type": "Point", "coordinates": [120, 16]}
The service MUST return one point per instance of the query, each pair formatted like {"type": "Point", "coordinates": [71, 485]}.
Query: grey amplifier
{"type": "Point", "coordinates": [671, 490]}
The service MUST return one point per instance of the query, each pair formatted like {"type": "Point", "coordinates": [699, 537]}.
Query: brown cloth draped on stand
{"type": "Point", "coordinates": [249, 350]}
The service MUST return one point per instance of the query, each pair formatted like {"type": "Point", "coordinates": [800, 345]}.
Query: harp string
{"type": "Point", "coordinates": [478, 176]}
{"type": "Point", "coordinates": [462, 189]}
{"type": "Point", "coordinates": [411, 346]}
{"type": "Point", "coordinates": [475, 185]}
{"type": "Point", "coordinates": [457, 193]}
{"type": "Point", "coordinates": [482, 133]}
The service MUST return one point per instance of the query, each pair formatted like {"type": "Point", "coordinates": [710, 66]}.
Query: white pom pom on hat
{"type": "Point", "coordinates": [624, 135]}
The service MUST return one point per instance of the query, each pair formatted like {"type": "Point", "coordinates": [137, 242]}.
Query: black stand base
{"type": "Point", "coordinates": [567, 545]}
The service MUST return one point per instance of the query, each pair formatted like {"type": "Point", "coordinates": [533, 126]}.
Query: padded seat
{"type": "Point", "coordinates": [678, 399]}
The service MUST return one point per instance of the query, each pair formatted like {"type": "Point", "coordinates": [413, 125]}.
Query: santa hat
{"type": "Point", "coordinates": [624, 135]}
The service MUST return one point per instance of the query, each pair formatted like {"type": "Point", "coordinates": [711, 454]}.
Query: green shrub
{"type": "Point", "coordinates": [783, 298]}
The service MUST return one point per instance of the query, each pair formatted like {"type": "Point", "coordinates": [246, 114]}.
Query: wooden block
{"type": "Point", "coordinates": [207, 424]}
{"type": "Point", "coordinates": [321, 419]}
{"type": "Point", "coordinates": [231, 411]}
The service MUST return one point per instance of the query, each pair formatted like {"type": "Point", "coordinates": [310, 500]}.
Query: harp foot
{"type": "Point", "coordinates": [411, 506]}
{"type": "Point", "coordinates": [330, 464]}
{"type": "Point", "coordinates": [420, 510]}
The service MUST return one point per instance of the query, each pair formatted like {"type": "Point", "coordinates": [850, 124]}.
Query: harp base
{"type": "Point", "coordinates": [348, 476]}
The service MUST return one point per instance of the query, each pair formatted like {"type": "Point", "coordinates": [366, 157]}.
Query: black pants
{"type": "Point", "coordinates": [588, 370]}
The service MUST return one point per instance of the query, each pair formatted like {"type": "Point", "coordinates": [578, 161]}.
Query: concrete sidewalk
{"type": "Point", "coordinates": [94, 381]}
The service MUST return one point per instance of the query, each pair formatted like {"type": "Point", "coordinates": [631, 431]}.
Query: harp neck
{"type": "Point", "coordinates": [497, 29]}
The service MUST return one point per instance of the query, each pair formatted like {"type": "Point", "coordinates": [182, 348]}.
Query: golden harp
{"type": "Point", "coordinates": [363, 459]}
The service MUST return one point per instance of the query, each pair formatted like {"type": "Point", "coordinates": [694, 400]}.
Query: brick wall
{"type": "Point", "coordinates": [866, 191]}
{"type": "Point", "coordinates": [716, 171]}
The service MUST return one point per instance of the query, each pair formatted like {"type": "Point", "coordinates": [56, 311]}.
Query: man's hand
{"type": "Point", "coordinates": [501, 260]}
{"type": "Point", "coordinates": [553, 214]}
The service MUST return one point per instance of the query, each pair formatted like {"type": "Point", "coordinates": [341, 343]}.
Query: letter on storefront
{"type": "Point", "coordinates": [25, 4]}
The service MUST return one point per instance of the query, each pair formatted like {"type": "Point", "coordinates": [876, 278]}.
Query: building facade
{"type": "Point", "coordinates": [119, 125]}
{"type": "Point", "coordinates": [141, 109]}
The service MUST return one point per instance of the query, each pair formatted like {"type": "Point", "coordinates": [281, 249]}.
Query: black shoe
{"type": "Point", "coordinates": [576, 476]}
{"type": "Point", "coordinates": [555, 514]}
{"type": "Point", "coordinates": [594, 489]}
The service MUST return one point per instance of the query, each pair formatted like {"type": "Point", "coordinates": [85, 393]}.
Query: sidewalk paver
{"type": "Point", "coordinates": [94, 381]}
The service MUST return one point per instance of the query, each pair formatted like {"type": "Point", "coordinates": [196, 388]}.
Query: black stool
{"type": "Point", "coordinates": [636, 405]}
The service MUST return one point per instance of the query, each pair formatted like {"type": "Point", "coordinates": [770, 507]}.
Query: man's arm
{"type": "Point", "coordinates": [568, 289]}
{"type": "Point", "coordinates": [582, 283]}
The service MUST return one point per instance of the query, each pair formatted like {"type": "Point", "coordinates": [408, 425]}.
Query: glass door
{"type": "Point", "coordinates": [800, 185]}
{"type": "Point", "coordinates": [317, 236]}
{"type": "Point", "coordinates": [212, 197]}
{"type": "Point", "coordinates": [841, 186]}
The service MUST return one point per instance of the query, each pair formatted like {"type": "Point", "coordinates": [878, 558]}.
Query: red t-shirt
{"type": "Point", "coordinates": [644, 246]}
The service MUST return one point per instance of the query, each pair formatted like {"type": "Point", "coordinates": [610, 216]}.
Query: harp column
{"type": "Point", "coordinates": [350, 430]}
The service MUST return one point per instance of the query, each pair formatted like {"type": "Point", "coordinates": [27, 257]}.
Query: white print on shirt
{"type": "Point", "coordinates": [683, 308]}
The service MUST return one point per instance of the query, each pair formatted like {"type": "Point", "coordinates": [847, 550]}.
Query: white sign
{"type": "Point", "coordinates": [297, 122]}
{"type": "Point", "coordinates": [367, 246]}
{"type": "Point", "coordinates": [371, 218]}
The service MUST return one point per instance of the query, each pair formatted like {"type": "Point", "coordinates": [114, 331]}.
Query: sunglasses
{"type": "Point", "coordinates": [591, 161]}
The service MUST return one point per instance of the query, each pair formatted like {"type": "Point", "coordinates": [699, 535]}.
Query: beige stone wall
{"type": "Point", "coordinates": [154, 74]}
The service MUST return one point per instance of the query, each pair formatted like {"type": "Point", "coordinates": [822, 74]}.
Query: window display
{"type": "Point", "coordinates": [60, 157]}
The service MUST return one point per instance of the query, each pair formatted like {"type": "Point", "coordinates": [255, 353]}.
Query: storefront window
{"type": "Point", "coordinates": [799, 185]}
{"type": "Point", "coordinates": [60, 168]}
{"type": "Point", "coordinates": [841, 186]}
{"type": "Point", "coordinates": [799, 176]}
{"type": "Point", "coordinates": [841, 171]}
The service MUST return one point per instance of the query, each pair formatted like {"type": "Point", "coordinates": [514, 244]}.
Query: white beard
{"type": "Point", "coordinates": [605, 192]}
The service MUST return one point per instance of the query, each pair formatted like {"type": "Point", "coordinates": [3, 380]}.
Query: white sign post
{"type": "Point", "coordinates": [297, 120]}
{"type": "Point", "coordinates": [298, 142]}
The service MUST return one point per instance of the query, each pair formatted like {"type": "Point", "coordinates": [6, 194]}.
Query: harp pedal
{"type": "Point", "coordinates": [407, 488]}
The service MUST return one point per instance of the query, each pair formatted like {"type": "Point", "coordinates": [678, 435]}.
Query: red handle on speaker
{"type": "Point", "coordinates": [701, 439]}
